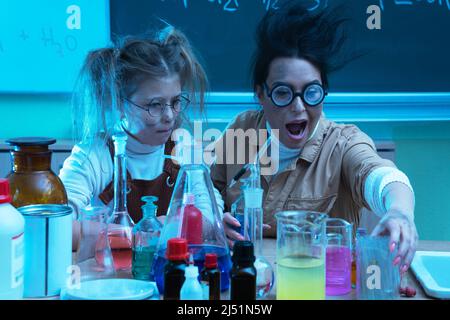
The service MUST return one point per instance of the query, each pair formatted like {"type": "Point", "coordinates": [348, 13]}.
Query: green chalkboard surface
{"type": "Point", "coordinates": [410, 53]}
{"type": "Point", "coordinates": [43, 42]}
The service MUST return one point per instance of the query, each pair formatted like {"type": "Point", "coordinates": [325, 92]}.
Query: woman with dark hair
{"type": "Point", "coordinates": [322, 166]}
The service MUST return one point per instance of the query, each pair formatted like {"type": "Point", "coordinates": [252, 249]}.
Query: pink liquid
{"type": "Point", "coordinates": [338, 270]}
{"type": "Point", "coordinates": [121, 250]}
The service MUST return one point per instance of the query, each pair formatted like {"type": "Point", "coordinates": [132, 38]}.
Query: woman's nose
{"type": "Point", "coordinates": [298, 105]}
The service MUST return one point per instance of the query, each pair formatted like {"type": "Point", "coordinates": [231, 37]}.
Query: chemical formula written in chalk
{"type": "Point", "coordinates": [233, 5]}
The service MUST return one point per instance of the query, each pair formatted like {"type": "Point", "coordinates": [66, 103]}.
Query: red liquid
{"type": "Point", "coordinates": [121, 249]}
{"type": "Point", "coordinates": [192, 229]}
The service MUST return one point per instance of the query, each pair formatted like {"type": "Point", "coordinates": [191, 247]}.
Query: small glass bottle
{"type": "Point", "coordinates": [210, 278]}
{"type": "Point", "coordinates": [120, 224]}
{"type": "Point", "coordinates": [243, 272]}
{"type": "Point", "coordinates": [31, 180]}
{"type": "Point", "coordinates": [145, 240]}
{"type": "Point", "coordinates": [191, 289]}
{"type": "Point", "coordinates": [176, 255]}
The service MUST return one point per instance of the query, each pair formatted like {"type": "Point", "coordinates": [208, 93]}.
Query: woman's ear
{"type": "Point", "coordinates": [260, 94]}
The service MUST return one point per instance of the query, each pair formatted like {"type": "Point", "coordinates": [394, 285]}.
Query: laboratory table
{"type": "Point", "coordinates": [269, 251]}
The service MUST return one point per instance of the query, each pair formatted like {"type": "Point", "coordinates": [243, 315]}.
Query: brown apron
{"type": "Point", "coordinates": [161, 187]}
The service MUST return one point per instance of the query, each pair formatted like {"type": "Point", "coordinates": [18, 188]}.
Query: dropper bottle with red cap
{"type": "Point", "coordinates": [176, 254]}
{"type": "Point", "coordinates": [210, 278]}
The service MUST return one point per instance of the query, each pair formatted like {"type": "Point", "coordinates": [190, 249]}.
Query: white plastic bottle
{"type": "Point", "coordinates": [11, 247]}
{"type": "Point", "coordinates": [191, 289]}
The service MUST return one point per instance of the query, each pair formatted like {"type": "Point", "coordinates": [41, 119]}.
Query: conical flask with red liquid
{"type": "Point", "coordinates": [193, 214]}
{"type": "Point", "coordinates": [119, 224]}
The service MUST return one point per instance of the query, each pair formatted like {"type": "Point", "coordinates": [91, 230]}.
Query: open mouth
{"type": "Point", "coordinates": [297, 129]}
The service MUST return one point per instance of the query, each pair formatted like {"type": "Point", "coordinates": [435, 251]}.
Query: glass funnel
{"type": "Point", "coordinates": [193, 215]}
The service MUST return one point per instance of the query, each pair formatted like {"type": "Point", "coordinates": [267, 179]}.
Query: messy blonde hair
{"type": "Point", "coordinates": [111, 74]}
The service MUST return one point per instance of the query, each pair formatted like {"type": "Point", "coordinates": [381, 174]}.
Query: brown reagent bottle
{"type": "Point", "coordinates": [174, 269]}
{"type": "Point", "coordinates": [31, 179]}
{"type": "Point", "coordinates": [243, 273]}
{"type": "Point", "coordinates": [210, 277]}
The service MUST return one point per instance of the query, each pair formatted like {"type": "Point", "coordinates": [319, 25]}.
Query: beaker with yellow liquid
{"type": "Point", "coordinates": [300, 255]}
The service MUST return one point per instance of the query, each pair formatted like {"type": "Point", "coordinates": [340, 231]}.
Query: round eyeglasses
{"type": "Point", "coordinates": [156, 108]}
{"type": "Point", "coordinates": [282, 95]}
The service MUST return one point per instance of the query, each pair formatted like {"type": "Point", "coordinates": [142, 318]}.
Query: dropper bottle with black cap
{"type": "Point", "coordinates": [243, 273]}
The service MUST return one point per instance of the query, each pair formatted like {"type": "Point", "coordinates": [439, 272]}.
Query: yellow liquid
{"type": "Point", "coordinates": [300, 278]}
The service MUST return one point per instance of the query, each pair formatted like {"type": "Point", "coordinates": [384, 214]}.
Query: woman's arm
{"type": "Point", "coordinates": [398, 222]}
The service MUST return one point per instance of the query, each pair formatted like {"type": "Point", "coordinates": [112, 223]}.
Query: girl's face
{"type": "Point", "coordinates": [147, 128]}
{"type": "Point", "coordinates": [296, 121]}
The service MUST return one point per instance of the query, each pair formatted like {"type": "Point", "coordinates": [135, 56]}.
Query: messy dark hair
{"type": "Point", "coordinates": [291, 30]}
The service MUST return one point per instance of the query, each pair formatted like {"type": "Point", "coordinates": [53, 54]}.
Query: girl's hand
{"type": "Point", "coordinates": [403, 235]}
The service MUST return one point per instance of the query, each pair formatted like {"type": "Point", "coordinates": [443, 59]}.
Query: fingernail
{"type": "Point", "coordinates": [392, 246]}
{"type": "Point", "coordinates": [404, 268]}
{"type": "Point", "coordinates": [396, 261]}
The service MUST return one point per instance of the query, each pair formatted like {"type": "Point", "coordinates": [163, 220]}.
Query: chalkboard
{"type": "Point", "coordinates": [410, 53]}
{"type": "Point", "coordinates": [44, 42]}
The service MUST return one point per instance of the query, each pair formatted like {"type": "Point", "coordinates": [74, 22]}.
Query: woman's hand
{"type": "Point", "coordinates": [403, 235]}
{"type": "Point", "coordinates": [232, 235]}
{"type": "Point", "coordinates": [228, 223]}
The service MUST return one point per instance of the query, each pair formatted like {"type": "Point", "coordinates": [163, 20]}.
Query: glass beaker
{"type": "Point", "coordinates": [376, 276]}
{"type": "Point", "coordinates": [193, 214]}
{"type": "Point", "coordinates": [300, 255]}
{"type": "Point", "coordinates": [338, 257]}
{"type": "Point", "coordinates": [93, 256]}
{"type": "Point", "coordinates": [31, 179]}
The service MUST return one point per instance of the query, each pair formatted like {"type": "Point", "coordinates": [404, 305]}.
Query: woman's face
{"type": "Point", "coordinates": [147, 128]}
{"type": "Point", "coordinates": [296, 121]}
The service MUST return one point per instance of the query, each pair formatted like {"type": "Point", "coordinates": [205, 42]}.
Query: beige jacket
{"type": "Point", "coordinates": [328, 176]}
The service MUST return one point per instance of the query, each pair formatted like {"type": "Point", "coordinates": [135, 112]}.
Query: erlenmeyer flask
{"type": "Point", "coordinates": [120, 224]}
{"type": "Point", "coordinates": [194, 215]}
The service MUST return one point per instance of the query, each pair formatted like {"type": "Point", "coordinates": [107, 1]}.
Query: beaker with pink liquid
{"type": "Point", "coordinates": [338, 257]}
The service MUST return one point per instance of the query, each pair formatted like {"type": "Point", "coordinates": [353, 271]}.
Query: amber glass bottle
{"type": "Point", "coordinates": [31, 179]}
